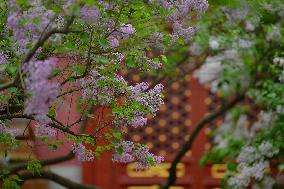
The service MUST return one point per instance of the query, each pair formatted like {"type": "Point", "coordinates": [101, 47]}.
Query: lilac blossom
{"type": "Point", "coordinates": [82, 153]}
{"type": "Point", "coordinates": [3, 58]}
{"type": "Point", "coordinates": [154, 65]}
{"type": "Point", "coordinates": [113, 42]}
{"type": "Point", "coordinates": [89, 14]}
{"type": "Point", "coordinates": [180, 32]}
{"type": "Point", "coordinates": [181, 12]}
{"type": "Point", "coordinates": [279, 61]}
{"type": "Point", "coordinates": [103, 89]}
{"type": "Point", "coordinates": [152, 98]}
{"type": "Point", "coordinates": [124, 31]}
{"type": "Point", "coordinates": [45, 130]}
{"type": "Point", "coordinates": [214, 43]}
{"type": "Point", "coordinates": [5, 129]}
{"type": "Point", "coordinates": [139, 121]}
{"type": "Point", "coordinates": [126, 152]}
{"type": "Point", "coordinates": [43, 92]}
{"type": "Point", "coordinates": [122, 158]}
{"type": "Point", "coordinates": [120, 56]}
{"type": "Point", "coordinates": [145, 159]}
{"type": "Point", "coordinates": [28, 25]}
{"type": "Point", "coordinates": [136, 90]}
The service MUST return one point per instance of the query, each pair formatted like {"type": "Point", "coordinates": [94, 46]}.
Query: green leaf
{"type": "Point", "coordinates": [116, 134]}
{"type": "Point", "coordinates": [164, 59]}
{"type": "Point", "coordinates": [34, 167]}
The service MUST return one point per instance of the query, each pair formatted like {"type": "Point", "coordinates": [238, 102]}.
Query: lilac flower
{"type": "Point", "coordinates": [82, 153]}
{"type": "Point", "coordinates": [267, 149]}
{"type": "Point", "coordinates": [28, 25]}
{"type": "Point", "coordinates": [43, 92]}
{"type": "Point", "coordinates": [152, 98]}
{"type": "Point", "coordinates": [119, 56]}
{"type": "Point", "coordinates": [125, 152]}
{"type": "Point", "coordinates": [123, 158]}
{"type": "Point", "coordinates": [3, 58]}
{"type": "Point", "coordinates": [103, 89]}
{"type": "Point", "coordinates": [213, 43]}
{"type": "Point", "coordinates": [199, 6]}
{"type": "Point", "coordinates": [248, 154]}
{"type": "Point", "coordinates": [164, 4]}
{"type": "Point", "coordinates": [180, 32]}
{"type": "Point", "coordinates": [89, 14]}
{"type": "Point", "coordinates": [113, 41]}
{"type": "Point", "coordinates": [12, 132]}
{"type": "Point", "coordinates": [145, 159]}
{"type": "Point", "coordinates": [139, 121]}
{"type": "Point", "coordinates": [126, 30]}
{"type": "Point", "coordinates": [136, 90]}
{"type": "Point", "coordinates": [45, 130]}
{"type": "Point", "coordinates": [154, 65]}
{"type": "Point", "coordinates": [127, 146]}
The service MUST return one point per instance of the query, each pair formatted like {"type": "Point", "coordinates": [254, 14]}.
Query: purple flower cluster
{"type": "Point", "coordinates": [82, 153]}
{"type": "Point", "coordinates": [124, 31]}
{"type": "Point", "coordinates": [12, 132]}
{"type": "Point", "coordinates": [135, 91]}
{"type": "Point", "coordinates": [103, 89]}
{"type": "Point", "coordinates": [89, 14]}
{"type": "Point", "coordinates": [146, 159]}
{"type": "Point", "coordinates": [124, 156]}
{"type": "Point", "coordinates": [120, 56]}
{"type": "Point", "coordinates": [43, 92]}
{"type": "Point", "coordinates": [45, 130]}
{"type": "Point", "coordinates": [126, 152]}
{"type": "Point", "coordinates": [3, 58]}
{"type": "Point", "coordinates": [180, 32]}
{"type": "Point", "coordinates": [154, 65]}
{"type": "Point", "coordinates": [27, 25]}
{"type": "Point", "coordinates": [150, 99]}
{"type": "Point", "coordinates": [138, 121]}
{"type": "Point", "coordinates": [181, 13]}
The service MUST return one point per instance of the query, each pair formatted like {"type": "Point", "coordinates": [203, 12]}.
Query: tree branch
{"type": "Point", "coordinates": [23, 166]}
{"type": "Point", "coordinates": [56, 178]}
{"type": "Point", "coordinates": [38, 44]}
{"type": "Point", "coordinates": [172, 172]}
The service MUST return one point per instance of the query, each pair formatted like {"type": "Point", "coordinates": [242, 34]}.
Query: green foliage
{"type": "Point", "coordinates": [11, 183]}
{"type": "Point", "coordinates": [34, 167]}
{"type": "Point", "coordinates": [8, 141]}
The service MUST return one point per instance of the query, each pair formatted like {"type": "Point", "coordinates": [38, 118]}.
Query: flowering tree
{"type": "Point", "coordinates": [239, 55]}
{"type": "Point", "coordinates": [99, 38]}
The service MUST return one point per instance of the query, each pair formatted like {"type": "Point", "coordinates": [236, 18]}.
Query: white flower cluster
{"type": "Point", "coordinates": [252, 164]}
{"type": "Point", "coordinates": [211, 71]}
{"type": "Point", "coordinates": [264, 122]}
{"type": "Point", "coordinates": [279, 61]}
{"type": "Point", "coordinates": [267, 183]}
{"type": "Point", "coordinates": [236, 127]}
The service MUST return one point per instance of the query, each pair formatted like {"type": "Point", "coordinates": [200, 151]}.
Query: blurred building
{"type": "Point", "coordinates": [186, 103]}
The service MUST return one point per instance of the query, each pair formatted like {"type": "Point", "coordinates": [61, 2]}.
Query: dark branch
{"type": "Point", "coordinates": [23, 166]}
{"type": "Point", "coordinates": [172, 176]}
